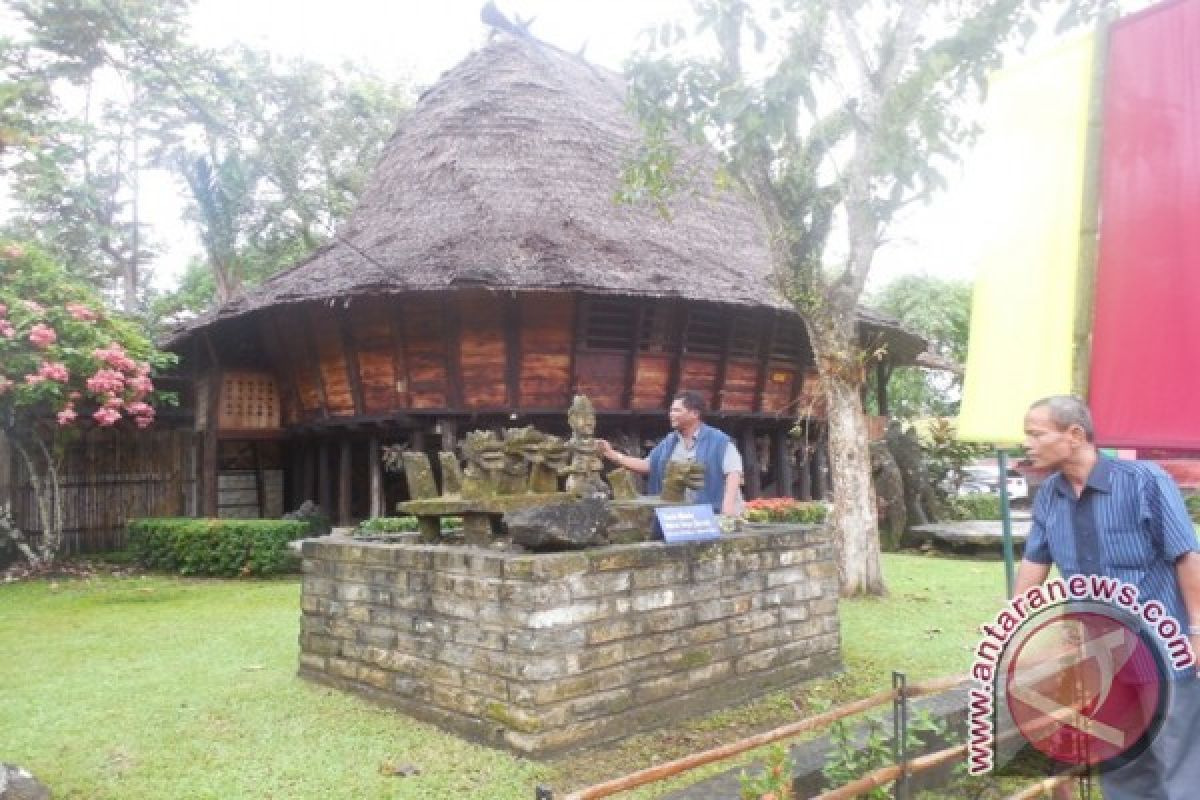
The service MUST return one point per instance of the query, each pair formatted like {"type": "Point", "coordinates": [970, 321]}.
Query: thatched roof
{"type": "Point", "coordinates": [503, 176]}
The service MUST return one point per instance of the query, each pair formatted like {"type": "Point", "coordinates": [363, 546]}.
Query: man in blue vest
{"type": "Point", "coordinates": [691, 440]}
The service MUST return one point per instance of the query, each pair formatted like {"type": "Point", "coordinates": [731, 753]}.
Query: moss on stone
{"type": "Point", "coordinates": [498, 712]}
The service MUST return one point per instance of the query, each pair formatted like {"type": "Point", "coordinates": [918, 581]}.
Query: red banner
{"type": "Point", "coordinates": [1145, 362]}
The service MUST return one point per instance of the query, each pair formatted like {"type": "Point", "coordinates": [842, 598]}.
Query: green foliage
{"type": "Point", "coordinates": [75, 175]}
{"type": "Point", "coordinates": [849, 759]}
{"type": "Point", "coordinates": [940, 309]}
{"type": "Point", "coordinates": [273, 153]}
{"type": "Point", "coordinates": [845, 113]}
{"type": "Point", "coordinates": [775, 780]}
{"type": "Point", "coordinates": [945, 456]}
{"type": "Point", "coordinates": [220, 547]}
{"type": "Point", "coordinates": [41, 299]}
{"type": "Point", "coordinates": [972, 506]}
{"type": "Point", "coordinates": [389, 525]}
{"type": "Point", "coordinates": [285, 147]}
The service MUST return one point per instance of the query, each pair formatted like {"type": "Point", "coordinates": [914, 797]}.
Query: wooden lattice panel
{"type": "Point", "coordinates": [249, 401]}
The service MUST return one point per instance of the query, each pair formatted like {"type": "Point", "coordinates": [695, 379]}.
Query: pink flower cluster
{"type": "Point", "coordinates": [122, 383]}
{"type": "Point", "coordinates": [54, 371]}
{"type": "Point", "coordinates": [106, 416]}
{"type": "Point", "coordinates": [67, 415]}
{"type": "Point", "coordinates": [6, 329]}
{"type": "Point", "coordinates": [42, 336]}
{"type": "Point", "coordinates": [115, 356]}
{"type": "Point", "coordinates": [35, 307]}
{"type": "Point", "coordinates": [81, 312]}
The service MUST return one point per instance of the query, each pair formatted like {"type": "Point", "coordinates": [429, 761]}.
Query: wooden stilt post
{"type": "Point", "coordinates": [753, 476]}
{"type": "Point", "coordinates": [344, 485]}
{"type": "Point", "coordinates": [325, 478]}
{"type": "Point", "coordinates": [375, 470]}
{"type": "Point", "coordinates": [804, 473]}
{"type": "Point", "coordinates": [781, 445]}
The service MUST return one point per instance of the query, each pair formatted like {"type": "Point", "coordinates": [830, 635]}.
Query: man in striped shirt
{"type": "Point", "coordinates": [1125, 520]}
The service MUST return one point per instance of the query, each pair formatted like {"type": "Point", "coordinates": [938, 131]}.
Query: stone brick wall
{"type": "Point", "coordinates": [544, 652]}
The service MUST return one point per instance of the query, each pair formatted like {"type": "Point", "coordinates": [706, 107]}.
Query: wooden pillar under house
{"type": "Point", "coordinates": [820, 461]}
{"type": "Point", "coordinates": [210, 461]}
{"type": "Point", "coordinates": [325, 477]}
{"type": "Point", "coordinates": [308, 474]}
{"type": "Point", "coordinates": [804, 473]}
{"type": "Point", "coordinates": [295, 495]}
{"type": "Point", "coordinates": [344, 481]}
{"type": "Point", "coordinates": [781, 454]}
{"type": "Point", "coordinates": [752, 474]}
{"type": "Point", "coordinates": [375, 472]}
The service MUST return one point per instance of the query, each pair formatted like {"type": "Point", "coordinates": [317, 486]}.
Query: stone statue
{"type": "Point", "coordinates": [679, 477]}
{"type": "Point", "coordinates": [584, 472]}
{"type": "Point", "coordinates": [485, 463]}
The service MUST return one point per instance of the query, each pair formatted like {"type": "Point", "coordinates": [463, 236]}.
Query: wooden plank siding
{"type": "Point", "coordinates": [325, 327]}
{"type": "Point", "coordinates": [476, 351]}
{"type": "Point", "coordinates": [481, 350]}
{"type": "Point", "coordinates": [425, 328]}
{"type": "Point", "coordinates": [374, 344]}
{"type": "Point", "coordinates": [547, 334]}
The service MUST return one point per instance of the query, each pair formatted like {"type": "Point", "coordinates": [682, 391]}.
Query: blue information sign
{"type": "Point", "coordinates": [688, 523]}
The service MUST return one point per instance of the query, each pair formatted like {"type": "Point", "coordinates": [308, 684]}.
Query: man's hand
{"type": "Point", "coordinates": [606, 449]}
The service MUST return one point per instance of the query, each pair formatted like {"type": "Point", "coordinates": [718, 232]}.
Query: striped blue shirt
{"type": "Point", "coordinates": [1134, 513]}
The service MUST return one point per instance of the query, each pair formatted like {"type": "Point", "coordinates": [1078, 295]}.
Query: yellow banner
{"type": "Point", "coordinates": [1029, 182]}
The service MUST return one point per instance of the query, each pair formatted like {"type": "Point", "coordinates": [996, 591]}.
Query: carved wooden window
{"type": "Point", "coordinates": [658, 333]}
{"type": "Point", "coordinates": [745, 340]}
{"type": "Point", "coordinates": [249, 401]}
{"type": "Point", "coordinates": [609, 323]}
{"type": "Point", "coordinates": [705, 333]}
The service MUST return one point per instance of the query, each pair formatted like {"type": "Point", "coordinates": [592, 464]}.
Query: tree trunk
{"type": "Point", "coordinates": [855, 525]}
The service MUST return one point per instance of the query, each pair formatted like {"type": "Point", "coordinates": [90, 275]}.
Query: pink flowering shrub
{"type": "Point", "coordinates": [42, 336]}
{"type": "Point", "coordinates": [65, 362]}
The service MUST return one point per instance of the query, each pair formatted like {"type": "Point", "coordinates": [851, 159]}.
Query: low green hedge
{"type": "Point", "coordinates": [226, 547]}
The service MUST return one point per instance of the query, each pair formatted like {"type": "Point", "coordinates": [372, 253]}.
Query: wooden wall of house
{"type": "Point", "coordinates": [479, 351]}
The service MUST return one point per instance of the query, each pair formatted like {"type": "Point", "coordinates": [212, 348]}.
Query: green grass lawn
{"type": "Point", "coordinates": [159, 687]}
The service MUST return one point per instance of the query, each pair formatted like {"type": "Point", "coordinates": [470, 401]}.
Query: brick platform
{"type": "Point", "coordinates": [541, 653]}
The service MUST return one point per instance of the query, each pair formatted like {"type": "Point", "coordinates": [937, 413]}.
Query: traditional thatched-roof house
{"type": "Point", "coordinates": [487, 275]}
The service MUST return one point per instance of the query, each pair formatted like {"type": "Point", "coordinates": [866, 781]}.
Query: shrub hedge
{"type": "Point", "coordinates": [224, 547]}
{"type": "Point", "coordinates": [785, 509]}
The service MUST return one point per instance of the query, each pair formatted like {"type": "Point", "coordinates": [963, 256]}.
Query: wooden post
{"type": "Point", "coordinates": [324, 478]}
{"type": "Point", "coordinates": [344, 485]}
{"type": "Point", "coordinates": [753, 475]}
{"type": "Point", "coordinates": [820, 471]}
{"type": "Point", "coordinates": [375, 470]}
{"type": "Point", "coordinates": [296, 486]}
{"type": "Point", "coordinates": [209, 463]}
{"type": "Point", "coordinates": [804, 473]}
{"type": "Point", "coordinates": [308, 480]}
{"type": "Point", "coordinates": [781, 445]}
